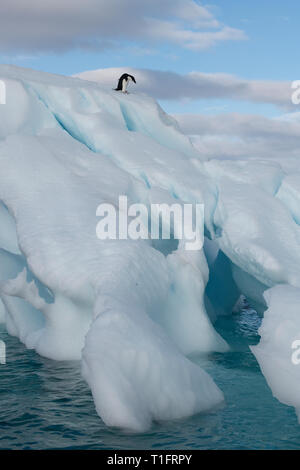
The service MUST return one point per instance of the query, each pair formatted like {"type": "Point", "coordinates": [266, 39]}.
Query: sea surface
{"type": "Point", "coordinates": [47, 405]}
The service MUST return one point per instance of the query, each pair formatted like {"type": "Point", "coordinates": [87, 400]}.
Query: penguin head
{"type": "Point", "coordinates": [131, 77]}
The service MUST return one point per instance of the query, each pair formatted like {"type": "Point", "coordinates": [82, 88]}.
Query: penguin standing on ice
{"type": "Point", "coordinates": [123, 82]}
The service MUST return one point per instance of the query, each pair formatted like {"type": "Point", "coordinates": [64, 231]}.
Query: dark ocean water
{"type": "Point", "coordinates": [47, 405]}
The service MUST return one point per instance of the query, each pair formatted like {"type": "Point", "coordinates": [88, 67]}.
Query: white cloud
{"type": "Point", "coordinates": [235, 135]}
{"type": "Point", "coordinates": [196, 85]}
{"type": "Point", "coordinates": [56, 25]}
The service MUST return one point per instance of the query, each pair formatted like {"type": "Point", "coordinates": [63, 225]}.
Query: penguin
{"type": "Point", "coordinates": [123, 82]}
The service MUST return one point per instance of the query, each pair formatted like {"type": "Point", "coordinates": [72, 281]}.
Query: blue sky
{"type": "Point", "coordinates": [268, 53]}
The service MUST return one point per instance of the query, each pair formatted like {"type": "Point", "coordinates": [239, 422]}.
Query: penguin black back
{"type": "Point", "coordinates": [124, 77]}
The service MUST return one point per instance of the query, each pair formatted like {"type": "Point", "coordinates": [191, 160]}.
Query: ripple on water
{"type": "Point", "coordinates": [47, 405]}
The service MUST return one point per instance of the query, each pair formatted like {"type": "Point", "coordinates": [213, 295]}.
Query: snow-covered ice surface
{"type": "Point", "coordinates": [278, 352]}
{"type": "Point", "coordinates": [134, 312]}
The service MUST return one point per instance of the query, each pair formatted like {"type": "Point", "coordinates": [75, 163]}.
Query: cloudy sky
{"type": "Point", "coordinates": [224, 67]}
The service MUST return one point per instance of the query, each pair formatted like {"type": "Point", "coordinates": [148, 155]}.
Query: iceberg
{"type": "Point", "coordinates": [134, 312]}
{"type": "Point", "coordinates": [116, 305]}
{"type": "Point", "coordinates": [279, 349]}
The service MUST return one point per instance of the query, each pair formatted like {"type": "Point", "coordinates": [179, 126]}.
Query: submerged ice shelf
{"type": "Point", "coordinates": [133, 313]}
